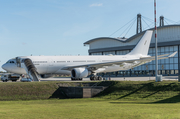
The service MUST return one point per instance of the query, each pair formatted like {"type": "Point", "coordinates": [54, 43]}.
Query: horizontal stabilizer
{"type": "Point", "coordinates": [159, 56]}
{"type": "Point", "coordinates": [172, 55]}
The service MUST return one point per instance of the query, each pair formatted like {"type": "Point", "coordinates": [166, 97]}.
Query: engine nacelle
{"type": "Point", "coordinates": [46, 75]}
{"type": "Point", "coordinates": [78, 73]}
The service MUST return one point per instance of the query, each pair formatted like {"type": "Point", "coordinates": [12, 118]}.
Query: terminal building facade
{"type": "Point", "coordinates": [168, 42]}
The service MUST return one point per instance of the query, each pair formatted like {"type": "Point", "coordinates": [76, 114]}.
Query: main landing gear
{"type": "Point", "coordinates": [95, 78]}
{"type": "Point", "coordinates": [74, 79]}
{"type": "Point", "coordinates": [92, 78]}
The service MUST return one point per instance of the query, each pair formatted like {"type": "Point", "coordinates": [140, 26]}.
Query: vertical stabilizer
{"type": "Point", "coordinates": [143, 45]}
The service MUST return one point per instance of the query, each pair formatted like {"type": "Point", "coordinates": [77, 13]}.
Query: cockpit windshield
{"type": "Point", "coordinates": [10, 61]}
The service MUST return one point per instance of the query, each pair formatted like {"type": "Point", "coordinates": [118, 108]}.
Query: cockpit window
{"type": "Point", "coordinates": [13, 60]}
{"type": "Point", "coordinates": [10, 62]}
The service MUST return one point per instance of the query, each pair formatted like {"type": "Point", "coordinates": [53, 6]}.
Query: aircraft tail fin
{"type": "Point", "coordinates": [143, 45]}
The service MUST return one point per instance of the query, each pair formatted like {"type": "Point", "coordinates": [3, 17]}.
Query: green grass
{"type": "Point", "coordinates": [132, 90]}
{"type": "Point", "coordinates": [32, 90]}
{"type": "Point", "coordinates": [166, 91]}
{"type": "Point", "coordinates": [124, 99]}
{"type": "Point", "coordinates": [88, 108]}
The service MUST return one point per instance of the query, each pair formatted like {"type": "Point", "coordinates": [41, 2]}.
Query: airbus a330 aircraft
{"type": "Point", "coordinates": [82, 66]}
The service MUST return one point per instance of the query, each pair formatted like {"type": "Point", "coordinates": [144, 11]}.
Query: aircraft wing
{"type": "Point", "coordinates": [95, 66]}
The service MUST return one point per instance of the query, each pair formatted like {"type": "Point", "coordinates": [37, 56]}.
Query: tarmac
{"type": "Point", "coordinates": [68, 79]}
{"type": "Point", "coordinates": [116, 78]}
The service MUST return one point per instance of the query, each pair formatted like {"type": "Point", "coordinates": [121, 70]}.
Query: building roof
{"type": "Point", "coordinates": [124, 40]}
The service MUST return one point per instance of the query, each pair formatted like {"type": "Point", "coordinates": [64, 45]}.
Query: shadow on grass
{"type": "Point", "coordinates": [160, 89]}
{"type": "Point", "coordinates": [144, 85]}
{"type": "Point", "coordinates": [174, 99]}
{"type": "Point", "coordinates": [130, 102]}
{"type": "Point", "coordinates": [58, 94]}
{"type": "Point", "coordinates": [154, 90]}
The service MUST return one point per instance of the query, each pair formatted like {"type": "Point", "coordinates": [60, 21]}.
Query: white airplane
{"type": "Point", "coordinates": [82, 66]}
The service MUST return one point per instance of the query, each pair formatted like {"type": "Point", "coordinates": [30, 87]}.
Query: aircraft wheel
{"type": "Point", "coordinates": [95, 77]}
{"type": "Point", "coordinates": [99, 78]}
{"type": "Point", "coordinates": [91, 78]}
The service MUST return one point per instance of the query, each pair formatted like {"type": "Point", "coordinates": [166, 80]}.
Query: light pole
{"type": "Point", "coordinates": [156, 59]}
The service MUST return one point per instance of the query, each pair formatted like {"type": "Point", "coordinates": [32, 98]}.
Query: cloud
{"type": "Point", "coordinates": [96, 5]}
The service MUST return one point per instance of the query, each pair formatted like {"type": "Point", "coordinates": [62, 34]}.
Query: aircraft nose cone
{"type": "Point", "coordinates": [4, 67]}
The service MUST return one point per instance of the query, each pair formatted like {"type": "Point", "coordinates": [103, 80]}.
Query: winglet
{"type": "Point", "coordinates": [172, 55]}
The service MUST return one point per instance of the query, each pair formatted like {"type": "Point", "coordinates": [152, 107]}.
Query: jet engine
{"type": "Point", "coordinates": [46, 75]}
{"type": "Point", "coordinates": [79, 73]}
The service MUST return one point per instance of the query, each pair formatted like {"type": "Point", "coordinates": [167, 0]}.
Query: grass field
{"type": "Point", "coordinates": [123, 100]}
{"type": "Point", "coordinates": [88, 108]}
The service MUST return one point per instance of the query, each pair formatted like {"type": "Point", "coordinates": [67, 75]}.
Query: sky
{"type": "Point", "coordinates": [60, 27]}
